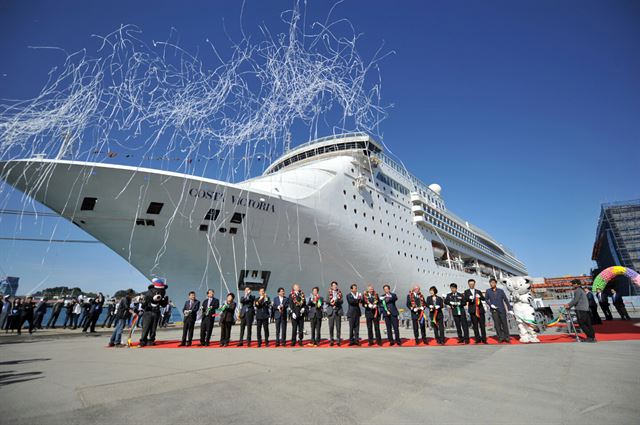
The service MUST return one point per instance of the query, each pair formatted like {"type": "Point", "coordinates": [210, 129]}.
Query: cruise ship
{"type": "Point", "coordinates": [337, 208]}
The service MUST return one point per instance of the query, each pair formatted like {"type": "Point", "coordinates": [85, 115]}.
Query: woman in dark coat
{"type": "Point", "coordinates": [227, 319]}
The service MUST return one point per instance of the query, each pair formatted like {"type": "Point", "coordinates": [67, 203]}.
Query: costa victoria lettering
{"type": "Point", "coordinates": [240, 201]}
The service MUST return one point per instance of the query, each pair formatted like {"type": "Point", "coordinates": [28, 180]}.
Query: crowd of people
{"type": "Point", "coordinates": [465, 309]}
{"type": "Point", "coordinates": [18, 313]}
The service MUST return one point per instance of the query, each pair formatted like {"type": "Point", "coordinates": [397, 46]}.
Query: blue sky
{"type": "Point", "coordinates": [526, 113]}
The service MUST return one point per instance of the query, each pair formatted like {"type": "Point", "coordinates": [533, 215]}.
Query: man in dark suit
{"type": "Point", "coordinates": [593, 306]}
{"type": "Point", "coordinates": [297, 304]}
{"type": "Point", "coordinates": [246, 315]}
{"type": "Point", "coordinates": [618, 303]}
{"type": "Point", "coordinates": [474, 299]}
{"type": "Point", "coordinates": [40, 311]}
{"type": "Point", "coordinates": [416, 305]}
{"type": "Point", "coordinates": [263, 312]}
{"type": "Point", "coordinates": [315, 316]}
{"type": "Point", "coordinates": [354, 299]}
{"type": "Point", "coordinates": [457, 302]}
{"type": "Point", "coordinates": [55, 313]}
{"type": "Point", "coordinates": [190, 311]}
{"type": "Point", "coordinates": [209, 307]}
{"type": "Point", "coordinates": [370, 301]}
{"type": "Point", "coordinates": [26, 314]}
{"type": "Point", "coordinates": [280, 306]}
{"type": "Point", "coordinates": [390, 313]}
{"type": "Point", "coordinates": [334, 313]}
{"type": "Point", "coordinates": [603, 300]}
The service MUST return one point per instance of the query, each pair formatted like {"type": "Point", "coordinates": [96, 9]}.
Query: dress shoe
{"type": "Point", "coordinates": [240, 344]}
{"type": "Point", "coordinates": [370, 343]}
{"type": "Point", "coordinates": [300, 343]}
{"type": "Point", "coordinates": [398, 342]}
{"type": "Point", "coordinates": [379, 343]}
{"type": "Point", "coordinates": [277, 343]}
{"type": "Point", "coordinates": [425, 341]}
{"type": "Point", "coordinates": [331, 344]}
{"type": "Point", "coordinates": [391, 343]}
{"type": "Point", "coordinates": [182, 344]}
{"type": "Point", "coordinates": [466, 341]}
{"type": "Point", "coordinates": [111, 344]}
{"type": "Point", "coordinates": [259, 344]}
{"type": "Point", "coordinates": [417, 341]}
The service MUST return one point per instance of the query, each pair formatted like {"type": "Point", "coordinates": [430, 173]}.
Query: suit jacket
{"type": "Point", "coordinates": [457, 302]}
{"type": "Point", "coordinates": [336, 308]}
{"type": "Point", "coordinates": [592, 300]}
{"type": "Point", "coordinates": [296, 309]}
{"type": "Point", "coordinates": [414, 314]}
{"type": "Point", "coordinates": [390, 302]}
{"type": "Point", "coordinates": [315, 312]}
{"type": "Point", "coordinates": [193, 311]}
{"type": "Point", "coordinates": [280, 309]}
{"type": "Point", "coordinates": [211, 305]}
{"type": "Point", "coordinates": [370, 313]}
{"type": "Point", "coordinates": [41, 307]}
{"type": "Point", "coordinates": [354, 306]}
{"type": "Point", "coordinates": [471, 301]}
{"type": "Point", "coordinates": [247, 306]}
{"type": "Point", "coordinates": [617, 300]}
{"type": "Point", "coordinates": [227, 315]}
{"type": "Point", "coordinates": [263, 308]}
{"type": "Point", "coordinates": [602, 298]}
{"type": "Point", "coordinates": [437, 305]}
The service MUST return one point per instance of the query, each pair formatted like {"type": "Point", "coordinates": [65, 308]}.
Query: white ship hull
{"type": "Point", "coordinates": [310, 224]}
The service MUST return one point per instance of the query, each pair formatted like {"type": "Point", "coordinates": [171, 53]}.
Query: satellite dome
{"type": "Point", "coordinates": [436, 188]}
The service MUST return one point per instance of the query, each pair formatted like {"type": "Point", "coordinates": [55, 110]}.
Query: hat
{"type": "Point", "coordinates": [576, 282]}
{"type": "Point", "coordinates": [158, 283]}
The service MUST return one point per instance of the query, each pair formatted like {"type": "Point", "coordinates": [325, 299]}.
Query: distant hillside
{"type": "Point", "coordinates": [63, 291]}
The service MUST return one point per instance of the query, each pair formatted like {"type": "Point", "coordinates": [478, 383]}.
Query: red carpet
{"type": "Point", "coordinates": [616, 330]}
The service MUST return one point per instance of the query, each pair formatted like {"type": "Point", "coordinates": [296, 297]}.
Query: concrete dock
{"type": "Point", "coordinates": [72, 378]}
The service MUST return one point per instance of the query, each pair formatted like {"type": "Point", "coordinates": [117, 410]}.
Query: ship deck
{"type": "Point", "coordinates": [58, 377]}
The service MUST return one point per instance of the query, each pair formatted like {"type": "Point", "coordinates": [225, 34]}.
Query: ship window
{"type": "Point", "coordinates": [356, 225]}
{"type": "Point", "coordinates": [212, 215]}
{"type": "Point", "coordinates": [155, 208]}
{"type": "Point", "coordinates": [88, 204]}
{"type": "Point", "coordinates": [148, 222]}
{"type": "Point", "coordinates": [307, 241]}
{"type": "Point", "coordinates": [139, 222]}
{"type": "Point", "coordinates": [237, 218]}
{"type": "Point", "coordinates": [233, 230]}
{"type": "Point", "coordinates": [204, 227]}
{"type": "Point", "coordinates": [345, 207]}
{"type": "Point", "coordinates": [315, 243]}
{"type": "Point", "coordinates": [223, 230]}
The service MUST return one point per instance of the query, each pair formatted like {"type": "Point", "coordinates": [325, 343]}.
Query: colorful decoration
{"type": "Point", "coordinates": [609, 273]}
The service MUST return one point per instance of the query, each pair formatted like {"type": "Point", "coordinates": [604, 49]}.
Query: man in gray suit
{"type": "Point", "coordinates": [581, 304]}
{"type": "Point", "coordinates": [334, 313]}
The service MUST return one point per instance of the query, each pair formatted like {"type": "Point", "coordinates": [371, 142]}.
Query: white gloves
{"type": "Point", "coordinates": [302, 310]}
{"type": "Point", "coordinates": [294, 316]}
